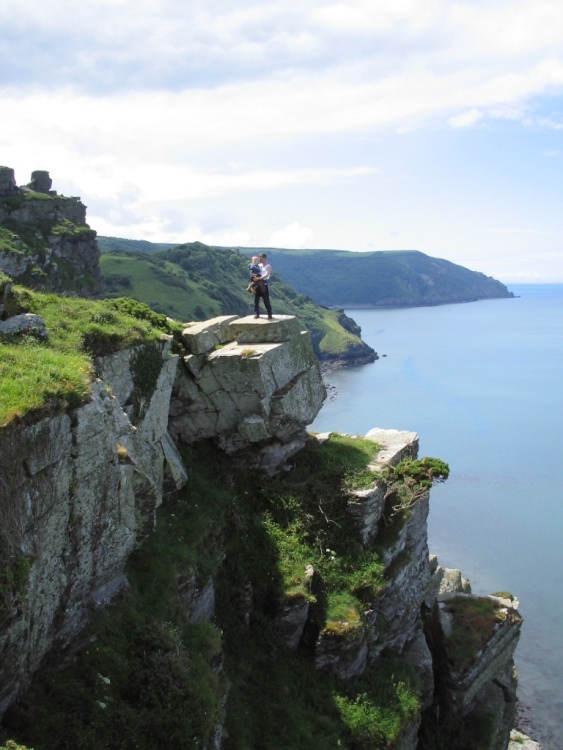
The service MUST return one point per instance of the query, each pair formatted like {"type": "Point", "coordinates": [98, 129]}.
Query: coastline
{"type": "Point", "coordinates": [480, 437]}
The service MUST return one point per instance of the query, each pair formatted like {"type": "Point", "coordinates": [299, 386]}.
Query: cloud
{"type": "Point", "coordinates": [118, 45]}
{"type": "Point", "coordinates": [292, 236]}
{"type": "Point", "coordinates": [210, 103]}
{"type": "Point", "coordinates": [465, 119]}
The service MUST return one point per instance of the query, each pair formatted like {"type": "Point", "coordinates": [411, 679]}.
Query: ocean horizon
{"type": "Point", "coordinates": [481, 384]}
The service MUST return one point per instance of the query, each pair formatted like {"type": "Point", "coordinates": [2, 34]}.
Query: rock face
{"type": "Point", "coordinates": [7, 181]}
{"type": "Point", "coordinates": [78, 492]}
{"type": "Point", "coordinates": [250, 385]}
{"type": "Point", "coordinates": [410, 618]}
{"type": "Point", "coordinates": [484, 683]}
{"type": "Point", "coordinates": [407, 571]}
{"type": "Point", "coordinates": [46, 241]}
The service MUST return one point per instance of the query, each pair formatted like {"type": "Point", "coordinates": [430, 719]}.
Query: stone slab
{"type": "Point", "coordinates": [251, 330]}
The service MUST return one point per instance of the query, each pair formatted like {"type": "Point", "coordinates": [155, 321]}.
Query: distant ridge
{"type": "Point", "coordinates": [385, 278]}
{"type": "Point", "coordinates": [346, 279]}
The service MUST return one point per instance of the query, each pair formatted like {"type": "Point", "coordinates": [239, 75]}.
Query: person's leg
{"type": "Point", "coordinates": [257, 301]}
{"type": "Point", "coordinates": [266, 296]}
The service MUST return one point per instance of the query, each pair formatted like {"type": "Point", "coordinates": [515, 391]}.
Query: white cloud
{"type": "Point", "coordinates": [292, 236]}
{"type": "Point", "coordinates": [465, 119]}
{"type": "Point", "coordinates": [211, 104]}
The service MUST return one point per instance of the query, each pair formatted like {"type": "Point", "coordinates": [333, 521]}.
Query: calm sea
{"type": "Point", "coordinates": [482, 385]}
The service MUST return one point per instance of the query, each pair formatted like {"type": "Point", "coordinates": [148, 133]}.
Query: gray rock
{"type": "Point", "coordinates": [78, 495]}
{"type": "Point", "coordinates": [40, 181]}
{"type": "Point", "coordinates": [7, 181]}
{"type": "Point", "coordinates": [24, 323]}
{"type": "Point", "coordinates": [254, 398]}
{"type": "Point", "coordinates": [418, 655]}
{"type": "Point", "coordinates": [294, 612]}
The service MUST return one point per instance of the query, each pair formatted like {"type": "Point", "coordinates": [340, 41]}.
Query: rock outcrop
{"type": "Point", "coordinates": [46, 241]}
{"type": "Point", "coordinates": [78, 493]}
{"type": "Point", "coordinates": [410, 616]}
{"type": "Point", "coordinates": [251, 385]}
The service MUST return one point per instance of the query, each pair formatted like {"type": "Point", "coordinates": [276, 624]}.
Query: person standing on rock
{"type": "Point", "coordinates": [262, 290]}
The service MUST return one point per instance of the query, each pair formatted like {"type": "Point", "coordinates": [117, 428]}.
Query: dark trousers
{"type": "Point", "coordinates": [264, 292]}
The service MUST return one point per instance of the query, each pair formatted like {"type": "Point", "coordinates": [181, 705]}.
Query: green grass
{"type": "Point", "coordinates": [55, 375]}
{"type": "Point", "coordinates": [161, 285]}
{"type": "Point", "coordinates": [474, 620]}
{"type": "Point", "coordinates": [336, 339]}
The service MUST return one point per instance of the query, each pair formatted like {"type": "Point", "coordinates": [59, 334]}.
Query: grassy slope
{"type": "Point", "coordinates": [37, 376]}
{"type": "Point", "coordinates": [164, 287]}
{"type": "Point", "coordinates": [196, 282]}
{"type": "Point", "coordinates": [340, 278]}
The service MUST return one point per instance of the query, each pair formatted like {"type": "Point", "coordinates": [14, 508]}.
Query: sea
{"type": "Point", "coordinates": [482, 385]}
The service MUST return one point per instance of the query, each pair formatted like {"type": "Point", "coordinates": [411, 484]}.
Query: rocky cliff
{"type": "Point", "coordinates": [79, 490]}
{"type": "Point", "coordinates": [44, 239]}
{"type": "Point", "coordinates": [79, 493]}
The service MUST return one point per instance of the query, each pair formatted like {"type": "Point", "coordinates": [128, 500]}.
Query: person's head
{"type": "Point", "coordinates": [263, 258]}
{"type": "Point", "coordinates": [255, 259]}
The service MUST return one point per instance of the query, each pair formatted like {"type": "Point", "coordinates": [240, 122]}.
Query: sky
{"type": "Point", "coordinates": [434, 125]}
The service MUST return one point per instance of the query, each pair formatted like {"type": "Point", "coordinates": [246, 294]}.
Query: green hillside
{"type": "Point", "coordinates": [112, 244]}
{"type": "Point", "coordinates": [392, 278]}
{"type": "Point", "coordinates": [197, 282]}
{"type": "Point", "coordinates": [340, 278]}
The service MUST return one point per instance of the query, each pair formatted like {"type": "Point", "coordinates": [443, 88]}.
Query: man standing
{"type": "Point", "coordinates": [262, 289]}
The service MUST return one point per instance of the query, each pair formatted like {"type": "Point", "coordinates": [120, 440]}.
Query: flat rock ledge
{"type": "Point", "coordinates": [251, 385]}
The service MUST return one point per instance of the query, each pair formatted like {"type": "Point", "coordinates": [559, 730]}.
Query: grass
{"type": "Point", "coordinates": [474, 620]}
{"type": "Point", "coordinates": [161, 285]}
{"type": "Point", "coordinates": [50, 377]}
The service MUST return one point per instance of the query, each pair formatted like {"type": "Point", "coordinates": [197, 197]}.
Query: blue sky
{"type": "Point", "coordinates": [360, 125]}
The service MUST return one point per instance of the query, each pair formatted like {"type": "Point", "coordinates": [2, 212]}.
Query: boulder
{"type": "Point", "coordinates": [251, 385]}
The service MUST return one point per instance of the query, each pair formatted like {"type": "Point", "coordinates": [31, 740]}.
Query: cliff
{"type": "Point", "coordinates": [282, 595]}
{"type": "Point", "coordinates": [44, 239]}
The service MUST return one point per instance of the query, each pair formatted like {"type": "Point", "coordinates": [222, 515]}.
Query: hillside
{"type": "Point", "coordinates": [197, 282]}
{"type": "Point", "coordinates": [340, 278]}
{"type": "Point", "coordinates": [46, 244]}
{"type": "Point", "coordinates": [394, 278]}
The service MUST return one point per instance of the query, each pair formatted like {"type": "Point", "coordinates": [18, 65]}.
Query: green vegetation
{"type": "Point", "coordinates": [388, 278]}
{"type": "Point", "coordinates": [474, 619]}
{"type": "Point", "coordinates": [67, 228]}
{"type": "Point", "coordinates": [161, 285]}
{"type": "Point", "coordinates": [49, 377]}
{"type": "Point", "coordinates": [410, 480]}
{"type": "Point", "coordinates": [197, 282]}
{"type": "Point", "coordinates": [149, 679]}
{"type": "Point", "coordinates": [397, 278]}
{"type": "Point", "coordinates": [14, 570]}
